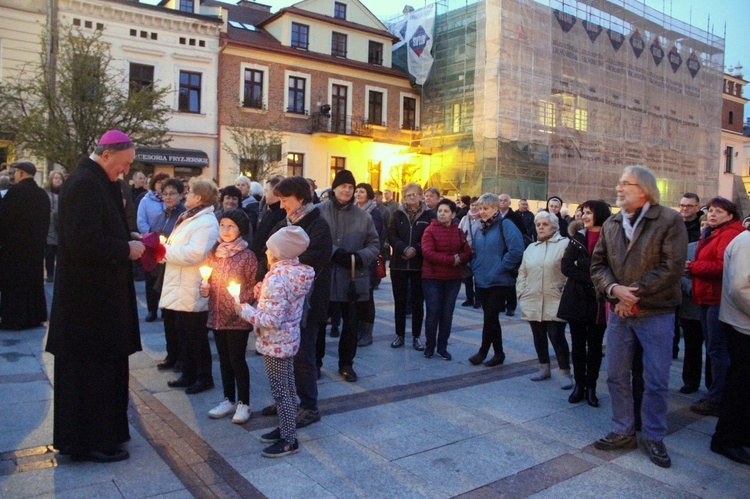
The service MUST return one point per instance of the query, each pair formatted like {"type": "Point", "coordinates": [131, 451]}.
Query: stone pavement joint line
{"type": "Point", "coordinates": [534, 479]}
{"type": "Point", "coordinates": [390, 394]}
{"type": "Point", "coordinates": [203, 471]}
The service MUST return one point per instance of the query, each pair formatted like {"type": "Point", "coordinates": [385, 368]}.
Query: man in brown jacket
{"type": "Point", "coordinates": [637, 263]}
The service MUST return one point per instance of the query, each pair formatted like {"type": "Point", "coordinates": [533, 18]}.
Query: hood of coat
{"type": "Point", "coordinates": [422, 209]}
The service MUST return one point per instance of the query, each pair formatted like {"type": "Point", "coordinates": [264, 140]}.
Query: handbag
{"type": "Point", "coordinates": [380, 267]}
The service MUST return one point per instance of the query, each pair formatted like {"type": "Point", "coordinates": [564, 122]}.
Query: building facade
{"type": "Point", "coordinates": [734, 179]}
{"type": "Point", "coordinates": [319, 73]}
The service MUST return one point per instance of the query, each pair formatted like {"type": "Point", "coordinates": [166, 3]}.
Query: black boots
{"type": "Point", "coordinates": [580, 393]}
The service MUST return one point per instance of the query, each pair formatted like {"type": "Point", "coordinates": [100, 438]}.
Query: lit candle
{"type": "Point", "coordinates": [234, 290]}
{"type": "Point", "coordinates": [205, 273]}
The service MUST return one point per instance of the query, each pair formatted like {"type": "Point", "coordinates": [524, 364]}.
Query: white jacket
{"type": "Point", "coordinates": [187, 248]}
{"type": "Point", "coordinates": [540, 280]}
{"type": "Point", "coordinates": [735, 289]}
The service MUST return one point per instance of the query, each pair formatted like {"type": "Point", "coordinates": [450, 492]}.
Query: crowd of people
{"type": "Point", "coordinates": [278, 261]}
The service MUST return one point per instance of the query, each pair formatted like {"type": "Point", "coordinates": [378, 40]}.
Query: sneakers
{"type": "Point", "coordinates": [280, 449]}
{"type": "Point", "coordinates": [542, 374]}
{"type": "Point", "coordinates": [444, 355]}
{"type": "Point", "coordinates": [417, 344]}
{"type": "Point", "coordinates": [657, 452]}
{"type": "Point", "coordinates": [564, 378]}
{"type": "Point", "coordinates": [306, 417]}
{"type": "Point", "coordinates": [224, 409]}
{"type": "Point", "coordinates": [614, 441]}
{"type": "Point", "coordinates": [243, 414]}
{"type": "Point", "coordinates": [271, 437]}
{"type": "Point", "coordinates": [705, 407]}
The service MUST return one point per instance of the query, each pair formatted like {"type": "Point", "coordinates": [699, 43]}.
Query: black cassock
{"type": "Point", "coordinates": [94, 319]}
{"type": "Point", "coordinates": [24, 222]}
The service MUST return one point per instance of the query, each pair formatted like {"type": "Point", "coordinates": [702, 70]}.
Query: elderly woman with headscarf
{"type": "Point", "coordinates": [248, 202]}
{"type": "Point", "coordinates": [497, 249]}
{"type": "Point", "coordinates": [554, 206]}
{"type": "Point", "coordinates": [193, 237]}
{"type": "Point", "coordinates": [539, 286]}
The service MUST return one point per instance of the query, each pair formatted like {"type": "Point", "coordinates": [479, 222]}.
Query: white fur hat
{"type": "Point", "coordinates": [288, 242]}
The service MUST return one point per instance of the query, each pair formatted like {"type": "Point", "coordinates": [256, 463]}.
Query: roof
{"type": "Point", "coordinates": [330, 20]}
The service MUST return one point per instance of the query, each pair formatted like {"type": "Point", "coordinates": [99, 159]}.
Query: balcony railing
{"type": "Point", "coordinates": [343, 125]}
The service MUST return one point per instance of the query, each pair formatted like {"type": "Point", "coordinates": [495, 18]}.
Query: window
{"type": "Point", "coordinates": [731, 118]}
{"type": "Point", "coordinates": [375, 53]}
{"type": "Point", "coordinates": [187, 6]}
{"type": "Point", "coordinates": [88, 24]}
{"type": "Point", "coordinates": [546, 113]}
{"type": "Point", "coordinates": [729, 153]}
{"type": "Point", "coordinates": [337, 164]}
{"type": "Point", "coordinates": [409, 114]}
{"type": "Point", "coordinates": [338, 44]}
{"type": "Point", "coordinates": [190, 92]}
{"type": "Point", "coordinates": [253, 96]}
{"type": "Point", "coordinates": [294, 161]}
{"type": "Point", "coordinates": [339, 108]}
{"type": "Point", "coordinates": [582, 120]}
{"type": "Point", "coordinates": [375, 108]}
{"type": "Point", "coordinates": [455, 124]}
{"type": "Point", "coordinates": [141, 76]}
{"type": "Point", "coordinates": [339, 10]}
{"type": "Point", "coordinates": [300, 36]}
{"type": "Point", "coordinates": [296, 95]}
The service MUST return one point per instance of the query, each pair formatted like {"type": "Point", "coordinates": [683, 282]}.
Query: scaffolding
{"type": "Point", "coordinates": [536, 98]}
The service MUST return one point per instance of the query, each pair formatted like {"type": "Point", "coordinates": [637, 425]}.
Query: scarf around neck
{"type": "Point", "coordinates": [628, 226]}
{"type": "Point", "coordinates": [228, 250]}
{"type": "Point", "coordinates": [188, 214]}
{"type": "Point", "coordinates": [486, 224]}
{"type": "Point", "coordinates": [413, 213]}
{"type": "Point", "coordinates": [299, 213]}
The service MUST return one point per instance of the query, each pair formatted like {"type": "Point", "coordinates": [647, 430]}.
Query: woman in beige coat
{"type": "Point", "coordinates": [539, 287]}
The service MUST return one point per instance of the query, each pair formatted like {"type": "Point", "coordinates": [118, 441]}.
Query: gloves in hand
{"type": "Point", "coordinates": [342, 257]}
{"type": "Point", "coordinates": [358, 262]}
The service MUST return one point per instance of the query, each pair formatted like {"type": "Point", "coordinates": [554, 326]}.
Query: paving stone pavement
{"type": "Point", "coordinates": [410, 427]}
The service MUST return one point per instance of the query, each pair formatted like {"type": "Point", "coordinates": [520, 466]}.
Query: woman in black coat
{"type": "Point", "coordinates": [580, 306]}
{"type": "Point", "coordinates": [296, 202]}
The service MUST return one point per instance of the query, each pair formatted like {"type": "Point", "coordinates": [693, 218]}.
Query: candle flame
{"type": "Point", "coordinates": [206, 272]}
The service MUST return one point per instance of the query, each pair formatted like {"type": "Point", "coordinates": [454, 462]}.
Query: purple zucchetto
{"type": "Point", "coordinates": [114, 137]}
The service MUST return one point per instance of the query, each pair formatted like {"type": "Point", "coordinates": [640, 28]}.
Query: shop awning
{"type": "Point", "coordinates": [177, 157]}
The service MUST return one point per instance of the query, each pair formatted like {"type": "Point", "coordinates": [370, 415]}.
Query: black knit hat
{"type": "Point", "coordinates": [368, 188]}
{"type": "Point", "coordinates": [343, 177]}
{"type": "Point", "coordinates": [240, 218]}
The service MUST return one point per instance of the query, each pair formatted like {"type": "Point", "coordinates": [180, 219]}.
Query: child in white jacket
{"type": "Point", "coordinates": [276, 320]}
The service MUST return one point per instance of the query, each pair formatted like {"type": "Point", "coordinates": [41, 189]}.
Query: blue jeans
{"type": "Point", "coordinates": [717, 351]}
{"type": "Point", "coordinates": [440, 300]}
{"type": "Point", "coordinates": [655, 335]}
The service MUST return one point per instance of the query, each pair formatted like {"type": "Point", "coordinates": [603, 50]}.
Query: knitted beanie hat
{"type": "Point", "coordinates": [288, 242]}
{"type": "Point", "coordinates": [343, 177]}
{"type": "Point", "coordinates": [240, 218]}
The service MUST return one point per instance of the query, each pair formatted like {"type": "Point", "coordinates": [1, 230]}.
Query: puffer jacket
{"type": "Point", "coordinates": [240, 268]}
{"type": "Point", "coordinates": [402, 234]}
{"type": "Point", "coordinates": [439, 245]}
{"type": "Point", "coordinates": [277, 317]}
{"type": "Point", "coordinates": [653, 261]}
{"type": "Point", "coordinates": [492, 264]}
{"type": "Point", "coordinates": [352, 230]}
{"type": "Point", "coordinates": [149, 207]}
{"type": "Point", "coordinates": [187, 248]}
{"type": "Point", "coordinates": [540, 280]}
{"type": "Point", "coordinates": [709, 263]}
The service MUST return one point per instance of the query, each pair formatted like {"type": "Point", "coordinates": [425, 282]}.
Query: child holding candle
{"type": "Point", "coordinates": [276, 319]}
{"type": "Point", "coordinates": [230, 261]}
